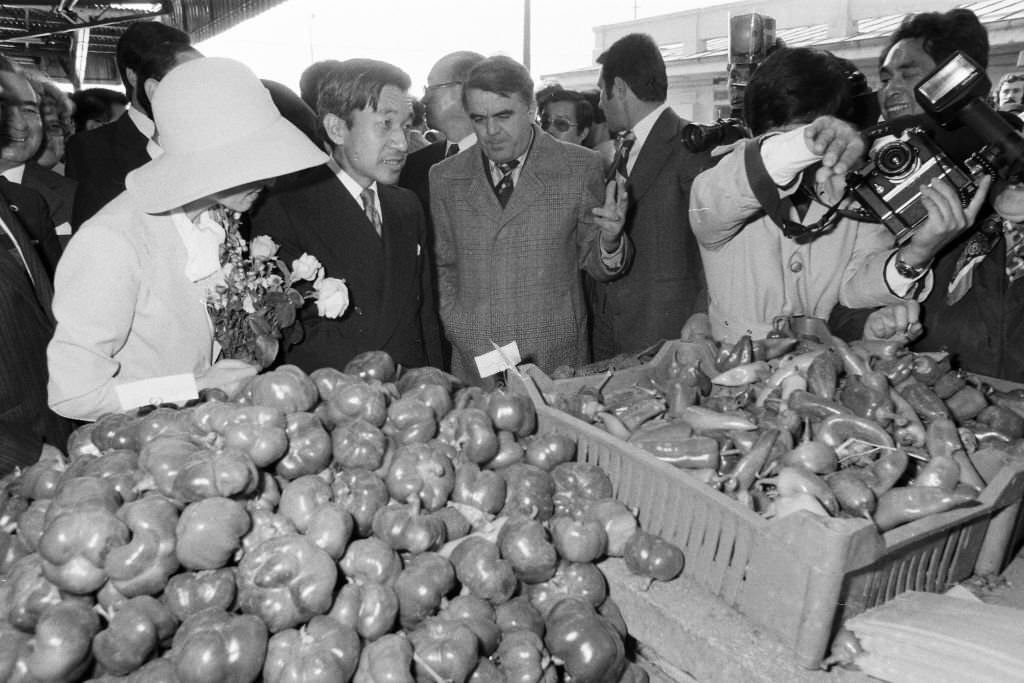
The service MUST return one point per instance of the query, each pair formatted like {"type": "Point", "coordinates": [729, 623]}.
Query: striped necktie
{"type": "Point", "coordinates": [503, 190]}
{"type": "Point", "coordinates": [369, 198]}
{"type": "Point", "coordinates": [620, 164]}
{"type": "Point", "coordinates": [1014, 233]}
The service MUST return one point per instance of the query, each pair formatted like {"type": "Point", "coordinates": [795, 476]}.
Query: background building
{"type": "Point", "coordinates": [695, 43]}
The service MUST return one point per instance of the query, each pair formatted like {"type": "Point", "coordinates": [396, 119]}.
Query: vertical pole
{"type": "Point", "coordinates": [80, 55]}
{"type": "Point", "coordinates": [526, 34]}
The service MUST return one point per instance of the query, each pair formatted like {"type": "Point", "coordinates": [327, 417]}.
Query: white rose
{"type": "Point", "coordinates": [332, 297]}
{"type": "Point", "coordinates": [306, 267]}
{"type": "Point", "coordinates": [247, 304]}
{"type": "Point", "coordinates": [263, 247]}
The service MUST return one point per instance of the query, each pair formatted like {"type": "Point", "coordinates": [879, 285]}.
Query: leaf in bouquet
{"type": "Point", "coordinates": [282, 308]}
{"type": "Point", "coordinates": [260, 324]}
{"type": "Point", "coordinates": [265, 348]}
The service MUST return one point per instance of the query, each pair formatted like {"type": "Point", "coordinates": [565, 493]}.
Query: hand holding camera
{"type": "Point", "coordinates": [947, 218]}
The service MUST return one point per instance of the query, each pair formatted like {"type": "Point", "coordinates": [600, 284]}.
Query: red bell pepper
{"type": "Point", "coordinates": [369, 608]}
{"type": "Point", "coordinates": [523, 657]}
{"type": "Point", "coordinates": [445, 648]}
{"type": "Point", "coordinates": [309, 447]}
{"type": "Point", "coordinates": [518, 614]}
{"type": "Point", "coordinates": [530, 491]}
{"type": "Point", "coordinates": [572, 579]}
{"type": "Point", "coordinates": [578, 540]}
{"type": "Point", "coordinates": [286, 388]}
{"type": "Point", "coordinates": [189, 593]}
{"type": "Point", "coordinates": [142, 566]}
{"type": "Point", "coordinates": [361, 493]}
{"type": "Point", "coordinates": [378, 365]}
{"type": "Point", "coordinates": [301, 497]}
{"type": "Point", "coordinates": [214, 645]}
{"type": "Point", "coordinates": [426, 580]}
{"type": "Point", "coordinates": [286, 581]}
{"type": "Point", "coordinates": [480, 569]}
{"type": "Point", "coordinates": [358, 400]}
{"type": "Point", "coordinates": [479, 616]}
{"type": "Point", "coordinates": [371, 560]}
{"type": "Point", "coordinates": [133, 635]}
{"type": "Point", "coordinates": [470, 432]}
{"type": "Point", "coordinates": [330, 529]}
{"type": "Point", "coordinates": [587, 644]}
{"type": "Point", "coordinates": [652, 556]}
{"type": "Point", "coordinates": [618, 521]}
{"type": "Point", "coordinates": [406, 530]}
{"type": "Point", "coordinates": [30, 594]}
{"type": "Point", "coordinates": [210, 531]}
{"type": "Point", "coordinates": [265, 525]}
{"type": "Point", "coordinates": [410, 421]}
{"type": "Point", "coordinates": [483, 489]}
{"type": "Point", "coordinates": [62, 647]}
{"type": "Point", "coordinates": [512, 412]}
{"type": "Point", "coordinates": [526, 544]}
{"type": "Point", "coordinates": [387, 660]}
{"type": "Point", "coordinates": [322, 651]}
{"type": "Point", "coordinates": [207, 473]}
{"type": "Point", "coordinates": [422, 471]}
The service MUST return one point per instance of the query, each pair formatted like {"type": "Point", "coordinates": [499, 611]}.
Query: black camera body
{"type": "Point", "coordinates": [953, 95]}
{"type": "Point", "coordinates": [889, 186]}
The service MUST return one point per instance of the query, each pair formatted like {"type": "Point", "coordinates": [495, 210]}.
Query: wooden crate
{"type": "Point", "coordinates": [797, 577]}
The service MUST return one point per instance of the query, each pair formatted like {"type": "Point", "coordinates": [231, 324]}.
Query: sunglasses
{"type": "Point", "coordinates": [560, 125]}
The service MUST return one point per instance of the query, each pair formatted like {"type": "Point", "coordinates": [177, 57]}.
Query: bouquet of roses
{"type": "Point", "coordinates": [255, 309]}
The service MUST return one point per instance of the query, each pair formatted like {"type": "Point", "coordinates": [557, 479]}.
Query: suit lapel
{"type": "Point", "coordinates": [482, 188]}
{"type": "Point", "coordinates": [656, 151]}
{"type": "Point", "coordinates": [400, 271]}
{"type": "Point", "coordinates": [40, 280]}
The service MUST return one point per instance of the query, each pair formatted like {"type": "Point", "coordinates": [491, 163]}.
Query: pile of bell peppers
{"type": "Point", "coordinates": [371, 524]}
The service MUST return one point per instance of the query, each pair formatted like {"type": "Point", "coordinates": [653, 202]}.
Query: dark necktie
{"type": "Point", "coordinates": [452, 151]}
{"type": "Point", "coordinates": [370, 207]}
{"type": "Point", "coordinates": [1014, 234]}
{"type": "Point", "coordinates": [503, 190]}
{"type": "Point", "coordinates": [623, 143]}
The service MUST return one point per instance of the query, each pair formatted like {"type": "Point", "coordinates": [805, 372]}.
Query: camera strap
{"type": "Point", "coordinates": [778, 208]}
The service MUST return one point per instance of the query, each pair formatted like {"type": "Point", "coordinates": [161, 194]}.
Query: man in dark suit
{"type": "Point", "coordinates": [443, 99]}
{"type": "Point", "coordinates": [665, 284]}
{"type": "Point", "coordinates": [349, 215]}
{"type": "Point", "coordinates": [26, 325]}
{"type": "Point", "coordinates": [100, 159]}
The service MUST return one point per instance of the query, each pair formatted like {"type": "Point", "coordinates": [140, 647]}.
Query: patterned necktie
{"type": "Point", "coordinates": [1014, 233]}
{"type": "Point", "coordinates": [623, 143]}
{"type": "Point", "coordinates": [452, 151]}
{"type": "Point", "coordinates": [369, 198]}
{"type": "Point", "coordinates": [504, 188]}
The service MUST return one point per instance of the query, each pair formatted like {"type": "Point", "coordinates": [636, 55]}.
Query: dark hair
{"type": "Point", "coordinates": [942, 34]}
{"type": "Point", "coordinates": [156, 64]}
{"type": "Point", "coordinates": [419, 112]}
{"type": "Point", "coordinates": [502, 75]}
{"type": "Point", "coordinates": [637, 60]}
{"type": "Point", "coordinates": [584, 110]}
{"type": "Point", "coordinates": [354, 85]}
{"type": "Point", "coordinates": [309, 81]}
{"type": "Point", "coordinates": [799, 84]}
{"type": "Point", "coordinates": [594, 97]}
{"type": "Point", "coordinates": [95, 104]}
{"type": "Point", "coordinates": [293, 109]}
{"type": "Point", "coordinates": [544, 95]}
{"type": "Point", "coordinates": [136, 43]}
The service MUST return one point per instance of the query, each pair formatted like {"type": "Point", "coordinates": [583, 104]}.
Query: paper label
{"type": "Point", "coordinates": [167, 389]}
{"type": "Point", "coordinates": [64, 229]}
{"type": "Point", "coordinates": [500, 359]}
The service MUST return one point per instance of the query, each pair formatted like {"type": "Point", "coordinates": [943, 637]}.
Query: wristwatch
{"type": "Point", "coordinates": [906, 270]}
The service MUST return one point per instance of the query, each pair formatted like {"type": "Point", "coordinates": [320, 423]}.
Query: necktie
{"type": "Point", "coordinates": [1014, 233]}
{"type": "Point", "coordinates": [369, 198]}
{"type": "Point", "coordinates": [452, 151]}
{"type": "Point", "coordinates": [504, 188]}
{"type": "Point", "coordinates": [623, 144]}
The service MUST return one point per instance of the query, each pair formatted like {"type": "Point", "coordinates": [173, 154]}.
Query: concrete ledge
{"type": "Point", "coordinates": [685, 634]}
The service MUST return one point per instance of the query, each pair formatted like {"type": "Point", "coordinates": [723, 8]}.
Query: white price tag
{"type": "Point", "coordinates": [500, 359]}
{"type": "Point", "coordinates": [167, 389]}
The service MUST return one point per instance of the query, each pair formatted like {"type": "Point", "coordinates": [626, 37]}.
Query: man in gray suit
{"type": "Point", "coordinates": [665, 284]}
{"type": "Point", "coordinates": [516, 218]}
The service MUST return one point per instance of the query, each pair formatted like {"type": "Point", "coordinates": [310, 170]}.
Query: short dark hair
{"type": "Point", "coordinates": [594, 97]}
{"type": "Point", "coordinates": [309, 81]}
{"type": "Point", "coordinates": [637, 60]}
{"type": "Point", "coordinates": [942, 34]}
{"type": "Point", "coordinates": [799, 84]}
{"type": "Point", "coordinates": [157, 63]}
{"type": "Point", "coordinates": [502, 75]}
{"type": "Point", "coordinates": [138, 40]}
{"type": "Point", "coordinates": [584, 110]}
{"type": "Point", "coordinates": [419, 112]}
{"type": "Point", "coordinates": [95, 104]}
{"type": "Point", "coordinates": [354, 85]}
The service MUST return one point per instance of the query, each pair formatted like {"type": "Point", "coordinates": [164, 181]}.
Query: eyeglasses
{"type": "Point", "coordinates": [560, 125]}
{"type": "Point", "coordinates": [437, 86]}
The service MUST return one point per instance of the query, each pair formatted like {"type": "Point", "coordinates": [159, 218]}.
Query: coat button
{"type": "Point", "coordinates": [796, 266]}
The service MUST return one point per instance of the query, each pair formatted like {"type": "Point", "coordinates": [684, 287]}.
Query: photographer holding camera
{"type": "Point", "coordinates": [769, 218]}
{"type": "Point", "coordinates": [976, 307]}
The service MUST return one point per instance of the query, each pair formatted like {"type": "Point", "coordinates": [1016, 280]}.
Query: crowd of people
{"type": "Point", "coordinates": [576, 224]}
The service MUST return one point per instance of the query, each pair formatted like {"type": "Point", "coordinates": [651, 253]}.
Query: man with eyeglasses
{"type": "Point", "coordinates": [567, 116]}
{"type": "Point", "coordinates": [443, 99]}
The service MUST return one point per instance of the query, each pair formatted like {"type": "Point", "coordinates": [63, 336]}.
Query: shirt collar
{"type": "Point", "coordinates": [496, 172]}
{"type": "Point", "coordinates": [16, 174]}
{"type": "Point", "coordinates": [642, 130]}
{"type": "Point", "coordinates": [202, 239]}
{"type": "Point", "coordinates": [142, 122]}
{"type": "Point", "coordinates": [467, 142]}
{"type": "Point", "coordinates": [354, 188]}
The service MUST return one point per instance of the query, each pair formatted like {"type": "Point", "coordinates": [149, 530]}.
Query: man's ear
{"type": "Point", "coordinates": [150, 87]}
{"type": "Point", "coordinates": [620, 87]}
{"type": "Point", "coordinates": [335, 128]}
{"type": "Point", "coordinates": [133, 78]}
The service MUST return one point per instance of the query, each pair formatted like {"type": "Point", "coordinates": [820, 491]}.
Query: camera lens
{"type": "Point", "coordinates": [895, 159]}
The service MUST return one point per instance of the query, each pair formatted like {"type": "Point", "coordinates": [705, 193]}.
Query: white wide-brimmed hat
{"type": "Point", "coordinates": [218, 129]}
